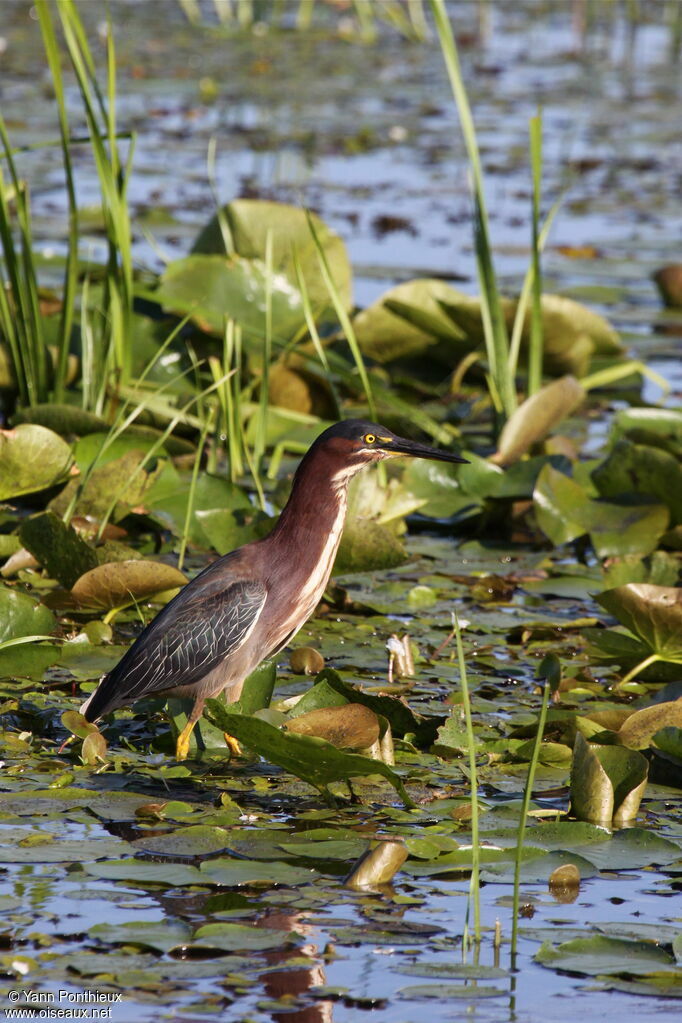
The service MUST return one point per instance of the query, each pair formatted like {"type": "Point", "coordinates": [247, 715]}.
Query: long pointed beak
{"type": "Point", "coordinates": [401, 446]}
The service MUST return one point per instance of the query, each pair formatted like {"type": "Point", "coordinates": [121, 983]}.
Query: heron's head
{"type": "Point", "coordinates": [354, 443]}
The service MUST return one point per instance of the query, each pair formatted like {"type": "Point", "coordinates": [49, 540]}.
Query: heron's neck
{"type": "Point", "coordinates": [312, 521]}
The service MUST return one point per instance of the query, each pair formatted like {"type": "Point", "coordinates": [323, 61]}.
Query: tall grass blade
{"type": "Point", "coordinates": [535, 352]}
{"type": "Point", "coordinates": [528, 789]}
{"type": "Point", "coordinates": [495, 331]}
{"type": "Point", "coordinates": [474, 885]}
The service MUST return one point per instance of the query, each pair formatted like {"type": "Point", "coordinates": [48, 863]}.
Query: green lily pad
{"type": "Point", "coordinates": [572, 334]}
{"type": "Point", "coordinates": [121, 583]}
{"type": "Point", "coordinates": [351, 726]}
{"type": "Point", "coordinates": [32, 458]}
{"type": "Point", "coordinates": [366, 546]}
{"type": "Point", "coordinates": [65, 851]}
{"type": "Point", "coordinates": [159, 935]}
{"type": "Point", "coordinates": [137, 872]}
{"type": "Point", "coordinates": [642, 469]}
{"type": "Point", "coordinates": [602, 955]}
{"type": "Point", "coordinates": [212, 289]}
{"type": "Point", "coordinates": [226, 529]}
{"type": "Point", "coordinates": [249, 223]}
{"type": "Point", "coordinates": [652, 613]}
{"type": "Point", "coordinates": [660, 427]}
{"type": "Point", "coordinates": [448, 992]}
{"type": "Point", "coordinates": [564, 511]}
{"type": "Point", "coordinates": [21, 615]}
{"type": "Point", "coordinates": [230, 937]}
{"type": "Point", "coordinates": [229, 873]}
{"type": "Point", "coordinates": [313, 760]}
{"type": "Point", "coordinates": [195, 840]}
{"type": "Point", "coordinates": [122, 482]}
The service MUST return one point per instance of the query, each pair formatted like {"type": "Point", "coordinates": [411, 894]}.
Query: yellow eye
{"type": "Point", "coordinates": [369, 438]}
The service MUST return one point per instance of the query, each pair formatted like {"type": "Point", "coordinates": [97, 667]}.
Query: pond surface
{"type": "Point", "coordinates": [367, 136]}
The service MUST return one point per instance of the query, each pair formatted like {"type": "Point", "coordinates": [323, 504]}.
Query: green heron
{"type": "Point", "coordinates": [248, 604]}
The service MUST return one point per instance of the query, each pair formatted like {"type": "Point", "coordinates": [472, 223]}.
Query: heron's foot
{"type": "Point", "coordinates": [182, 744]}
{"type": "Point", "coordinates": [232, 744]}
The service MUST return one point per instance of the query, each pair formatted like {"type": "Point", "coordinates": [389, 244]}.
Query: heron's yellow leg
{"type": "Point", "coordinates": [182, 745]}
{"type": "Point", "coordinates": [232, 744]}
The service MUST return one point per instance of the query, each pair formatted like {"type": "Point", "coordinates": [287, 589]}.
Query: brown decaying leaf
{"type": "Point", "coordinates": [536, 416]}
{"type": "Point", "coordinates": [351, 726]}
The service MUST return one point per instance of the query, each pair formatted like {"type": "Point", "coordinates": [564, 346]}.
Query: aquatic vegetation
{"type": "Point", "coordinates": [154, 411]}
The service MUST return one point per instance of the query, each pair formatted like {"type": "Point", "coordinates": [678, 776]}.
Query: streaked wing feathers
{"type": "Point", "coordinates": [182, 647]}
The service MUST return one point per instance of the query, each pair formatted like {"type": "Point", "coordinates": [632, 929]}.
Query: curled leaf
{"type": "Point", "coordinates": [377, 866]}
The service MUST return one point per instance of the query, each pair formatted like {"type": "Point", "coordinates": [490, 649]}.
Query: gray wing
{"type": "Point", "coordinates": [181, 645]}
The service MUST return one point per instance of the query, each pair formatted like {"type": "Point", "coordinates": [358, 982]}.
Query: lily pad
{"type": "Point", "coordinates": [638, 731]}
{"type": "Point", "coordinates": [126, 582]}
{"type": "Point", "coordinates": [32, 458]}
{"type": "Point", "coordinates": [313, 760]}
{"type": "Point", "coordinates": [564, 512]}
{"type": "Point", "coordinates": [229, 937]}
{"type": "Point", "coordinates": [21, 615]}
{"type": "Point", "coordinates": [249, 223]}
{"type": "Point", "coordinates": [642, 469]}
{"type": "Point", "coordinates": [408, 321]}
{"type": "Point", "coordinates": [159, 935]}
{"type": "Point", "coordinates": [213, 289]}
{"type": "Point", "coordinates": [602, 955]}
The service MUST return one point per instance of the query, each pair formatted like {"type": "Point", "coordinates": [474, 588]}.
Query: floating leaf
{"type": "Point", "coordinates": [660, 427]}
{"type": "Point", "coordinates": [231, 873]}
{"type": "Point", "coordinates": [607, 782]}
{"type": "Point", "coordinates": [125, 481]}
{"type": "Point", "coordinates": [126, 582]}
{"type": "Point", "coordinates": [195, 840]}
{"type": "Point", "coordinates": [533, 420]}
{"type": "Point", "coordinates": [230, 937]}
{"type": "Point", "coordinates": [226, 529]}
{"type": "Point", "coordinates": [21, 615]}
{"type": "Point", "coordinates": [313, 760]}
{"type": "Point", "coordinates": [65, 420]}
{"type": "Point", "coordinates": [602, 955]}
{"type": "Point", "coordinates": [32, 458]}
{"type": "Point", "coordinates": [138, 872]}
{"type": "Point", "coordinates": [77, 725]}
{"type": "Point", "coordinates": [572, 334]}
{"type": "Point", "coordinates": [159, 935]}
